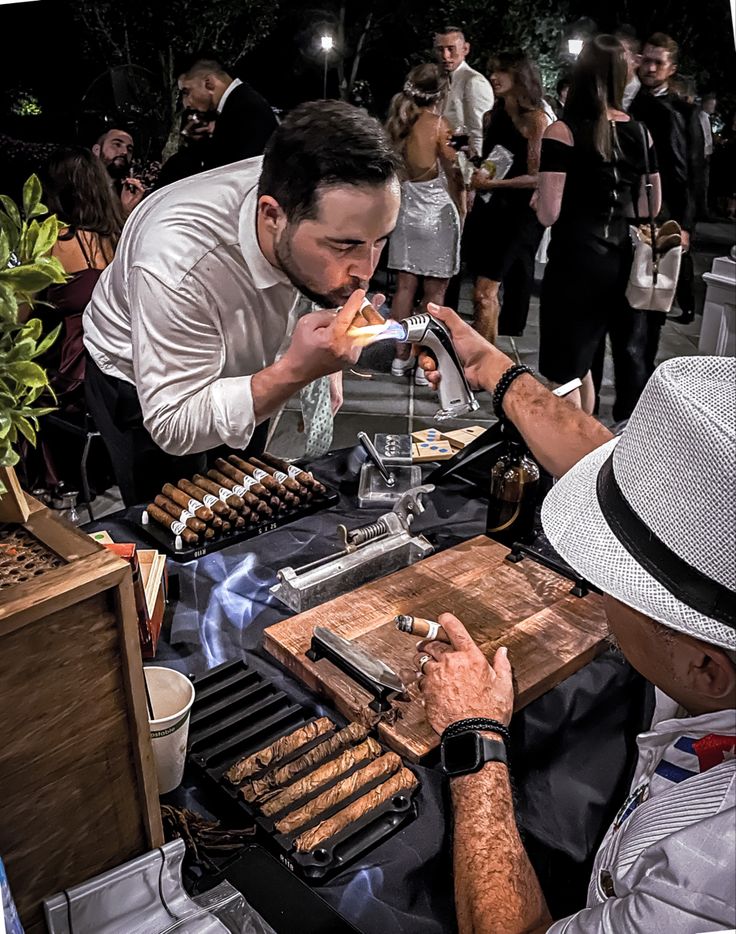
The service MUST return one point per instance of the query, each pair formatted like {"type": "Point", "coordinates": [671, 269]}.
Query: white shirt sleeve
{"type": "Point", "coordinates": [477, 100]}
{"type": "Point", "coordinates": [178, 356]}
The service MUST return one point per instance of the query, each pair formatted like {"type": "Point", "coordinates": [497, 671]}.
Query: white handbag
{"type": "Point", "coordinates": [654, 273]}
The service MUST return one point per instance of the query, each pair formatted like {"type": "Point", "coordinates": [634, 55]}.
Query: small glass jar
{"type": "Point", "coordinates": [512, 501]}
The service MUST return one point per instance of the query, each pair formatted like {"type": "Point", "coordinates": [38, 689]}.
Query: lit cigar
{"type": "Point", "coordinates": [424, 628]}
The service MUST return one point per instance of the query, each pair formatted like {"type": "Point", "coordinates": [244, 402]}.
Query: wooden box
{"type": "Point", "coordinates": [78, 791]}
{"type": "Point", "coordinates": [549, 632]}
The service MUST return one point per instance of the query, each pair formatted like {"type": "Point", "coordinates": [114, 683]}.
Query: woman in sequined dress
{"type": "Point", "coordinates": [426, 242]}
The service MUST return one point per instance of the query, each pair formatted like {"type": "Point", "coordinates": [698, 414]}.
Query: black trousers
{"type": "Point", "coordinates": [141, 467]}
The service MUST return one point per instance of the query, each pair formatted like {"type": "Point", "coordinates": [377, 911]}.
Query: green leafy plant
{"type": "Point", "coordinates": [25, 269]}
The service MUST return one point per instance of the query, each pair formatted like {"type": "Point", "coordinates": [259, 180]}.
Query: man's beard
{"type": "Point", "coordinates": [287, 264]}
{"type": "Point", "coordinates": [118, 169]}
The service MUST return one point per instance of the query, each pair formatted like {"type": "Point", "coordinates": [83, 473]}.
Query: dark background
{"type": "Point", "coordinates": [84, 63]}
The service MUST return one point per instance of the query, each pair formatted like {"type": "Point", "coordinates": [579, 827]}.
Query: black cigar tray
{"type": "Point", "coordinates": [164, 540]}
{"type": "Point", "coordinates": [236, 712]}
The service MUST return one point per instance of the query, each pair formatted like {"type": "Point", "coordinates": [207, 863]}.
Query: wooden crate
{"type": "Point", "coordinates": [549, 632]}
{"type": "Point", "coordinates": [78, 791]}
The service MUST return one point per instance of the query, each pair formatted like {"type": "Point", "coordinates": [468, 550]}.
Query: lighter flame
{"type": "Point", "coordinates": [377, 332]}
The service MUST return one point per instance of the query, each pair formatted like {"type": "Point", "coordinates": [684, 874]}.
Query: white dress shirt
{"type": "Point", "coordinates": [470, 96]}
{"type": "Point", "coordinates": [190, 308]}
{"type": "Point", "coordinates": [667, 863]}
{"type": "Point", "coordinates": [631, 89]}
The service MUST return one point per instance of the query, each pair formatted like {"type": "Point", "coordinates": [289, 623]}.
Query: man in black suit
{"type": "Point", "coordinates": [678, 139]}
{"type": "Point", "coordinates": [244, 120]}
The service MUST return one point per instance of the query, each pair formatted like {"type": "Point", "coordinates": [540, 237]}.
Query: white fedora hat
{"type": "Point", "coordinates": [650, 518]}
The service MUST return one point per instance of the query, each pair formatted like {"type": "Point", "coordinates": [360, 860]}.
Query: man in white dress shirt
{"type": "Point", "coordinates": [650, 519]}
{"type": "Point", "coordinates": [470, 95]}
{"type": "Point", "coordinates": [192, 332]}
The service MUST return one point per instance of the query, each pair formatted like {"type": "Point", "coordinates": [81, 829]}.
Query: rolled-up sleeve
{"type": "Point", "coordinates": [178, 359]}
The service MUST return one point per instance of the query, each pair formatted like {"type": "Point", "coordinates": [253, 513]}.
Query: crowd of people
{"type": "Point", "coordinates": [195, 311]}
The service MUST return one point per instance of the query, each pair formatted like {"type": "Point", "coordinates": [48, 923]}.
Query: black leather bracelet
{"type": "Point", "coordinates": [502, 386]}
{"type": "Point", "coordinates": [481, 724]}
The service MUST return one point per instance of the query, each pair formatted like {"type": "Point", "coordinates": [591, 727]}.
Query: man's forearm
{"type": "Point", "coordinates": [272, 387]}
{"type": "Point", "coordinates": [496, 889]}
{"type": "Point", "coordinates": [558, 433]}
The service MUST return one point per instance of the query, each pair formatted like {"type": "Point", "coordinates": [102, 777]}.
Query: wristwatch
{"type": "Point", "coordinates": [465, 753]}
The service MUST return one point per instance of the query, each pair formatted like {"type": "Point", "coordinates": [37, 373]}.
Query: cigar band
{"type": "Point", "coordinates": [294, 472]}
{"type": "Point", "coordinates": [177, 527]}
{"type": "Point", "coordinates": [185, 514]}
{"type": "Point", "coordinates": [259, 474]}
{"type": "Point", "coordinates": [224, 494]}
{"type": "Point", "coordinates": [209, 500]}
{"type": "Point", "coordinates": [193, 505]}
{"type": "Point", "coordinates": [248, 482]}
{"type": "Point", "coordinates": [239, 490]}
{"type": "Point", "coordinates": [279, 475]}
{"type": "Point", "coordinates": [434, 629]}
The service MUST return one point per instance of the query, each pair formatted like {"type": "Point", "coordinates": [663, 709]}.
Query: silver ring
{"type": "Point", "coordinates": [423, 661]}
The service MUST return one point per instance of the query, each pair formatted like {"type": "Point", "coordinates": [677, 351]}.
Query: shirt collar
{"type": "Point", "coordinates": [461, 67]}
{"type": "Point", "coordinates": [265, 276]}
{"type": "Point", "coordinates": [236, 82]}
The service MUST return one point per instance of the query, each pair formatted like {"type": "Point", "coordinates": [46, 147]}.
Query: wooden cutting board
{"type": "Point", "coordinates": [549, 632]}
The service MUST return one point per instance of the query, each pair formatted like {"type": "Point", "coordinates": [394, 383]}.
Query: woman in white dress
{"type": "Point", "coordinates": [426, 242]}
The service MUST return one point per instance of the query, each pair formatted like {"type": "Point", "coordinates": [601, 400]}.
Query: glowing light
{"type": "Point", "coordinates": [327, 43]}
{"type": "Point", "coordinates": [575, 46]}
{"type": "Point", "coordinates": [371, 333]}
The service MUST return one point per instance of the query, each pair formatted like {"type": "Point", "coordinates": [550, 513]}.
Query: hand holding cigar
{"type": "Point", "coordinates": [424, 628]}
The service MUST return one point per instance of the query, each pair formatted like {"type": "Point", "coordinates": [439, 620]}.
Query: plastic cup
{"type": "Point", "coordinates": [172, 696]}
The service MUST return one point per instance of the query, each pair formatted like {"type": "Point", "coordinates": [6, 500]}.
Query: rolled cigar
{"type": "Point", "coordinates": [173, 525]}
{"type": "Point", "coordinates": [183, 515]}
{"type": "Point", "coordinates": [226, 527]}
{"type": "Point", "coordinates": [186, 502]}
{"type": "Point", "coordinates": [277, 750]}
{"type": "Point", "coordinates": [424, 628]}
{"type": "Point", "coordinates": [325, 773]}
{"type": "Point", "coordinates": [249, 484]}
{"type": "Point", "coordinates": [260, 476]}
{"type": "Point", "coordinates": [303, 476]}
{"type": "Point", "coordinates": [223, 493]}
{"type": "Point", "coordinates": [280, 477]}
{"type": "Point", "coordinates": [259, 787]}
{"type": "Point", "coordinates": [258, 506]}
{"type": "Point", "coordinates": [239, 522]}
{"type": "Point", "coordinates": [209, 499]}
{"type": "Point", "coordinates": [382, 767]}
{"type": "Point", "coordinates": [401, 781]}
{"type": "Point", "coordinates": [217, 523]}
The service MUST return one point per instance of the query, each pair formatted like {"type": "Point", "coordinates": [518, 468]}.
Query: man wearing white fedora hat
{"type": "Point", "coordinates": [650, 519]}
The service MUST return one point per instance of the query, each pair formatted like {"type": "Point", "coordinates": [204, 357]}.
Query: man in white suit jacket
{"type": "Point", "coordinates": [470, 94]}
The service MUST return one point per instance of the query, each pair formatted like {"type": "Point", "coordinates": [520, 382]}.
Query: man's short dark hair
{"type": "Point", "coordinates": [445, 30]}
{"type": "Point", "coordinates": [202, 63]}
{"type": "Point", "coordinates": [660, 40]}
{"type": "Point", "coordinates": [323, 144]}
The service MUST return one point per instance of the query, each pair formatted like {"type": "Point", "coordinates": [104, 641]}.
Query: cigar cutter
{"type": "Point", "coordinates": [368, 551]}
{"type": "Point", "coordinates": [374, 675]}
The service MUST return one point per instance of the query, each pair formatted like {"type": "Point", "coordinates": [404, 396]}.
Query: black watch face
{"type": "Point", "coordinates": [461, 753]}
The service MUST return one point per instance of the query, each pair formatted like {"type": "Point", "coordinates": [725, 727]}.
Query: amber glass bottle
{"type": "Point", "coordinates": [512, 500]}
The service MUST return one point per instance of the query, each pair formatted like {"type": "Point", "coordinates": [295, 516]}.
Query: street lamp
{"type": "Point", "coordinates": [327, 43]}
{"type": "Point", "coordinates": [575, 47]}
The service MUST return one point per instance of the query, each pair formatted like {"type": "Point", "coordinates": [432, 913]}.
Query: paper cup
{"type": "Point", "coordinates": [172, 696]}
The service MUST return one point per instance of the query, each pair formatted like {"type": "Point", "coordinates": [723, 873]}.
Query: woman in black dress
{"type": "Point", "coordinates": [591, 186]}
{"type": "Point", "coordinates": [503, 233]}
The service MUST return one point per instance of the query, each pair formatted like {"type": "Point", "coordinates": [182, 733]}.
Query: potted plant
{"type": "Point", "coordinates": [25, 269]}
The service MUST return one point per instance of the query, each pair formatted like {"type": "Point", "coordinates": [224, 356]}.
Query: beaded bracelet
{"type": "Point", "coordinates": [502, 386]}
{"type": "Point", "coordinates": [482, 724]}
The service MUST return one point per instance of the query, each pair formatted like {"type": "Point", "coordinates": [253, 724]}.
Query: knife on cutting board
{"type": "Point", "coordinates": [358, 663]}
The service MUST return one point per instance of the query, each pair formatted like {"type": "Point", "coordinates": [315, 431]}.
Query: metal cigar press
{"type": "Point", "coordinates": [456, 397]}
